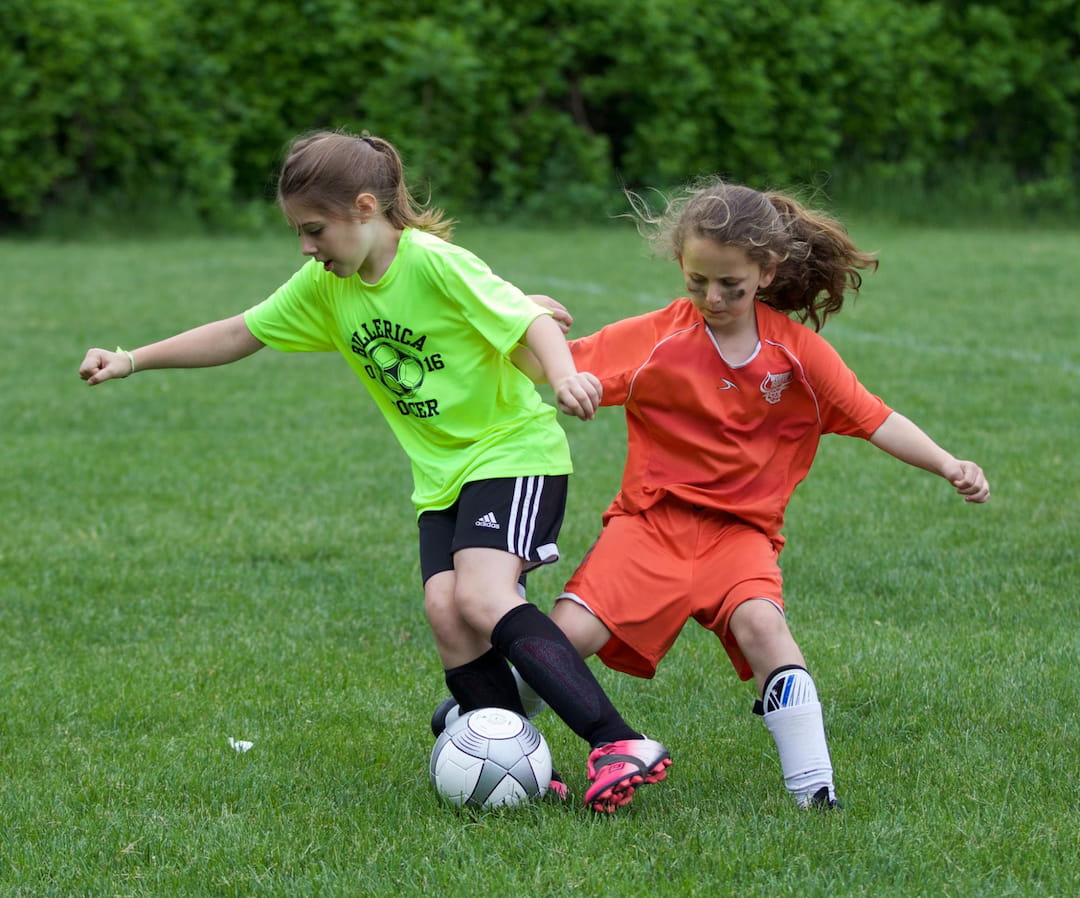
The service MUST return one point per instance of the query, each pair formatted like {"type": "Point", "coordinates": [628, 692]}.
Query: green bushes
{"type": "Point", "coordinates": [538, 108]}
{"type": "Point", "coordinates": [97, 99]}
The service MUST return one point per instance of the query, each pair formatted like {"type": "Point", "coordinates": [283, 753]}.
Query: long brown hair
{"type": "Point", "coordinates": [327, 170]}
{"type": "Point", "coordinates": [816, 261]}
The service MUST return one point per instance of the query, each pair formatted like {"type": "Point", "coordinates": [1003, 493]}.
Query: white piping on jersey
{"type": "Point", "coordinates": [753, 355]}
{"type": "Point", "coordinates": [802, 375]}
{"type": "Point", "coordinates": [523, 512]}
{"type": "Point", "coordinates": [656, 346]}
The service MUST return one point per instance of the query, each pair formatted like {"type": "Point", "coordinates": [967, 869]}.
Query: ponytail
{"type": "Point", "coordinates": [329, 169]}
{"type": "Point", "coordinates": [816, 261]}
{"type": "Point", "coordinates": [822, 265]}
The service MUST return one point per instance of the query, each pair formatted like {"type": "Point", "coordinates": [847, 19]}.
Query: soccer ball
{"type": "Point", "coordinates": [490, 758]}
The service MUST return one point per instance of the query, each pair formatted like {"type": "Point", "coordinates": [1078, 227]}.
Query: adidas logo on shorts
{"type": "Point", "coordinates": [488, 520]}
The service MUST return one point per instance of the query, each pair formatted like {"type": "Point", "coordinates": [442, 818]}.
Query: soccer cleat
{"type": "Point", "coordinates": [822, 800]}
{"type": "Point", "coordinates": [617, 768]}
{"type": "Point", "coordinates": [557, 788]}
{"type": "Point", "coordinates": [447, 712]}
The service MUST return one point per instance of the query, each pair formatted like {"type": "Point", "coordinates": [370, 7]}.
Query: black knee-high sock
{"type": "Point", "coordinates": [484, 682]}
{"type": "Point", "coordinates": [548, 662]}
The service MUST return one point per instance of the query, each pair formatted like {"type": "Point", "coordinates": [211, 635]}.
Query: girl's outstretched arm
{"type": "Point", "coordinates": [216, 343]}
{"type": "Point", "coordinates": [559, 312]}
{"type": "Point", "coordinates": [523, 357]}
{"type": "Point", "coordinates": [577, 392]}
{"type": "Point", "coordinates": [902, 439]}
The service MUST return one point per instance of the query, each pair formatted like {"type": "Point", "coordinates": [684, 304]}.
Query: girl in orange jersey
{"type": "Point", "coordinates": [726, 399]}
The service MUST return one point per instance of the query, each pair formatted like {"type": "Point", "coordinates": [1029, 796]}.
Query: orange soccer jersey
{"type": "Point", "coordinates": [735, 438]}
{"type": "Point", "coordinates": [714, 453]}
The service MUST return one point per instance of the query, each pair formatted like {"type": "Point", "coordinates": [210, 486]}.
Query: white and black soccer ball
{"type": "Point", "coordinates": [490, 758]}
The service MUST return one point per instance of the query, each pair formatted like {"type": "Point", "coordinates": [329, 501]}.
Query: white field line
{"type": "Point", "coordinates": [591, 289]}
{"type": "Point", "coordinates": [910, 344]}
{"type": "Point", "coordinates": [913, 344]}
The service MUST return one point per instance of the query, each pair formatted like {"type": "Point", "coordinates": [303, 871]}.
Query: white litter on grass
{"type": "Point", "coordinates": [240, 745]}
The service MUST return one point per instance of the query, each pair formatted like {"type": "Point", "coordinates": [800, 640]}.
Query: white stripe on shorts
{"type": "Point", "coordinates": [523, 513]}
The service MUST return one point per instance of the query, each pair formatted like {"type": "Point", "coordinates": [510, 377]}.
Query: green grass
{"type": "Point", "coordinates": [193, 555]}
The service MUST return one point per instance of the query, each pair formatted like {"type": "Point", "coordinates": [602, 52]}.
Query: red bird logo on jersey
{"type": "Point", "coordinates": [775, 384]}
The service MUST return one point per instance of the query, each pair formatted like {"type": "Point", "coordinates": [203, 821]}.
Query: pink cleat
{"type": "Point", "coordinates": [557, 788]}
{"type": "Point", "coordinates": [617, 768]}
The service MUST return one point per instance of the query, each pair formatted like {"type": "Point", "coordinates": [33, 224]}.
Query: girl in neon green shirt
{"type": "Point", "coordinates": [430, 331]}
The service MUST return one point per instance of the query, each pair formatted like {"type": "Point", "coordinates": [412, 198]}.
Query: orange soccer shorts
{"type": "Point", "coordinates": [649, 573]}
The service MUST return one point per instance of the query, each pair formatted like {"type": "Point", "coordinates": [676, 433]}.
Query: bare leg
{"type": "Point", "coordinates": [455, 639]}
{"type": "Point", "coordinates": [486, 586]}
{"type": "Point", "coordinates": [762, 633]}
{"type": "Point", "coordinates": [584, 629]}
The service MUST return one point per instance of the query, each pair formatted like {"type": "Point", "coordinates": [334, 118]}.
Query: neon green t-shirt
{"type": "Point", "coordinates": [430, 341]}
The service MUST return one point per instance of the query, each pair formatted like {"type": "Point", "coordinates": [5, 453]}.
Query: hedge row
{"type": "Point", "coordinates": [511, 105]}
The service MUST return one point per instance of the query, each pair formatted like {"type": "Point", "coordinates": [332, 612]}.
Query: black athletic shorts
{"type": "Point", "coordinates": [520, 515]}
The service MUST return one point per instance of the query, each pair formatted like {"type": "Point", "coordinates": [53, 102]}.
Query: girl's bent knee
{"type": "Point", "coordinates": [760, 628]}
{"type": "Point", "coordinates": [439, 600]}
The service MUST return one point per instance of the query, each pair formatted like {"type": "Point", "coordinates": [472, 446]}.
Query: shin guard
{"type": "Point", "coordinates": [793, 716]}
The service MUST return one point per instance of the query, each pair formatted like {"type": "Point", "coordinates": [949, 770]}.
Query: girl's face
{"type": "Point", "coordinates": [722, 282]}
{"type": "Point", "coordinates": [342, 245]}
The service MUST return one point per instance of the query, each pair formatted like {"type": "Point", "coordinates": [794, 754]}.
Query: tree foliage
{"type": "Point", "coordinates": [530, 107]}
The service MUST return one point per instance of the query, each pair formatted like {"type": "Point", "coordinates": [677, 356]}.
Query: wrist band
{"type": "Point", "coordinates": [131, 359]}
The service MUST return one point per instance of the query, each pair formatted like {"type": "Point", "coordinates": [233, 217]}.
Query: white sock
{"type": "Point", "coordinates": [530, 701]}
{"type": "Point", "coordinates": [793, 717]}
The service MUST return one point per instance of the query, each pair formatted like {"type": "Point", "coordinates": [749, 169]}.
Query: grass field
{"type": "Point", "coordinates": [190, 556]}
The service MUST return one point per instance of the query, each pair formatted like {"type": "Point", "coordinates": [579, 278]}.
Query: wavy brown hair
{"type": "Point", "coordinates": [816, 261]}
{"type": "Point", "coordinates": [327, 170]}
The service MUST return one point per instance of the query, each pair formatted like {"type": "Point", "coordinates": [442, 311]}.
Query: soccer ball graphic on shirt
{"type": "Point", "coordinates": [399, 372]}
{"type": "Point", "coordinates": [490, 758]}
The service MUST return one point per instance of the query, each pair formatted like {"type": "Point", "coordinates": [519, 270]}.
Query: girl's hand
{"type": "Point", "coordinates": [558, 311]}
{"type": "Point", "coordinates": [101, 365]}
{"type": "Point", "coordinates": [579, 395]}
{"type": "Point", "coordinates": [969, 480]}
